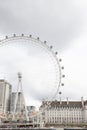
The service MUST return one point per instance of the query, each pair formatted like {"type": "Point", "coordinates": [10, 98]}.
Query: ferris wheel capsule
{"type": "Point", "coordinates": [38, 38]}
{"type": "Point", "coordinates": [63, 75]}
{"type": "Point", "coordinates": [60, 60]}
{"type": "Point", "coordinates": [62, 84]}
{"type": "Point", "coordinates": [30, 35]}
{"type": "Point", "coordinates": [45, 42]}
{"type": "Point", "coordinates": [22, 34]}
{"type": "Point", "coordinates": [51, 47]}
{"type": "Point", "coordinates": [14, 35]}
{"type": "Point", "coordinates": [62, 67]}
{"type": "Point", "coordinates": [6, 37]}
{"type": "Point", "coordinates": [60, 93]}
{"type": "Point", "coordinates": [56, 52]}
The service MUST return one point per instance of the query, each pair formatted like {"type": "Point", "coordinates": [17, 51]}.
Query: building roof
{"type": "Point", "coordinates": [76, 104]}
{"type": "Point", "coordinates": [66, 104]}
{"type": "Point", "coordinates": [5, 81]}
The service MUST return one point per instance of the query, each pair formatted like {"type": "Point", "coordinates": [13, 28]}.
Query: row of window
{"type": "Point", "coordinates": [61, 118]}
{"type": "Point", "coordinates": [51, 111]}
{"type": "Point", "coordinates": [64, 120]}
{"type": "Point", "coordinates": [65, 108]}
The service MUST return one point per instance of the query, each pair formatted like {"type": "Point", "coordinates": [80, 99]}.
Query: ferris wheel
{"type": "Point", "coordinates": [38, 63]}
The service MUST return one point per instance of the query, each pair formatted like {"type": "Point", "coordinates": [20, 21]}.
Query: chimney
{"type": "Point", "coordinates": [60, 101]}
{"type": "Point", "coordinates": [82, 102]}
{"type": "Point", "coordinates": [67, 101]}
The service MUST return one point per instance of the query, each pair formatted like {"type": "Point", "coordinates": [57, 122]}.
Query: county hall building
{"type": "Point", "coordinates": [64, 112]}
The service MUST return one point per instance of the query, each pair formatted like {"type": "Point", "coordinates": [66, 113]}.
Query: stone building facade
{"type": "Point", "coordinates": [64, 112]}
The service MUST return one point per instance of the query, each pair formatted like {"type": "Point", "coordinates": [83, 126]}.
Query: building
{"type": "Point", "coordinates": [64, 112]}
{"type": "Point", "coordinates": [5, 96]}
{"type": "Point", "coordinates": [19, 105]}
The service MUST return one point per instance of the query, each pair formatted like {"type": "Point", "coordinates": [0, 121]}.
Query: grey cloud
{"type": "Point", "coordinates": [57, 21]}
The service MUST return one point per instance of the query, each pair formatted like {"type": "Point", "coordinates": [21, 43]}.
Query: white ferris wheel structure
{"type": "Point", "coordinates": [55, 60]}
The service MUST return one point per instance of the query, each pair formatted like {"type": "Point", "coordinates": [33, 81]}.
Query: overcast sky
{"type": "Point", "coordinates": [63, 23]}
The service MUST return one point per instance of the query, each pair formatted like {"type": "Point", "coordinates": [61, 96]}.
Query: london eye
{"type": "Point", "coordinates": [39, 65]}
